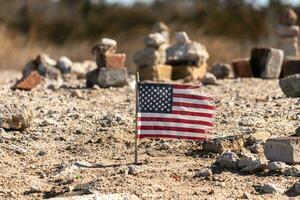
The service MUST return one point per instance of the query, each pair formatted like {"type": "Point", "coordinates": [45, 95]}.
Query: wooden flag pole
{"type": "Point", "coordinates": [137, 79]}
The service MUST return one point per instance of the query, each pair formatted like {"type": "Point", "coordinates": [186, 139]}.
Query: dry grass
{"type": "Point", "coordinates": [17, 49]}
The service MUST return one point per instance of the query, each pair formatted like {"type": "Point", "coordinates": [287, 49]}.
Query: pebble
{"type": "Point", "coordinates": [269, 188]}
{"type": "Point", "coordinates": [277, 166]}
{"type": "Point", "coordinates": [18, 149]}
{"type": "Point", "coordinates": [297, 188]}
{"type": "Point", "coordinates": [228, 160]}
{"type": "Point", "coordinates": [205, 172]}
{"type": "Point", "coordinates": [134, 169]}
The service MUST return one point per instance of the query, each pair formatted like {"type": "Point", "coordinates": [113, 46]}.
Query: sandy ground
{"type": "Point", "coordinates": [83, 140]}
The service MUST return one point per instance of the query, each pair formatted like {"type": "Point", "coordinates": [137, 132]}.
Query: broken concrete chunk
{"type": "Point", "coordinates": [115, 60]}
{"type": "Point", "coordinates": [266, 62]}
{"type": "Point", "coordinates": [285, 149]}
{"type": "Point", "coordinates": [242, 68]}
{"type": "Point", "coordinates": [156, 73]}
{"type": "Point", "coordinates": [221, 70]}
{"type": "Point", "coordinates": [105, 77]}
{"type": "Point", "coordinates": [28, 82]}
{"type": "Point", "coordinates": [290, 85]}
{"type": "Point", "coordinates": [219, 145]}
{"type": "Point", "coordinates": [290, 67]}
{"type": "Point", "coordinates": [13, 117]}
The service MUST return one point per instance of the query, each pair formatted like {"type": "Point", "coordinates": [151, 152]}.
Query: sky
{"type": "Point", "coordinates": [259, 2]}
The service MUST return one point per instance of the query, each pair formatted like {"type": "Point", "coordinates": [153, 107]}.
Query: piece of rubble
{"type": "Point", "coordinates": [292, 171]}
{"type": "Point", "coordinates": [277, 166]}
{"type": "Point", "coordinates": [219, 145]}
{"type": "Point", "coordinates": [28, 82]}
{"type": "Point", "coordinates": [297, 188]}
{"type": "Point", "coordinates": [242, 68]}
{"type": "Point", "coordinates": [266, 62]}
{"type": "Point", "coordinates": [64, 64]}
{"type": "Point", "coordinates": [13, 117]}
{"type": "Point", "coordinates": [154, 40]}
{"type": "Point", "coordinates": [186, 52]}
{"type": "Point", "coordinates": [290, 67]}
{"type": "Point", "coordinates": [115, 60]}
{"type": "Point", "coordinates": [156, 73]}
{"type": "Point", "coordinates": [221, 70]}
{"type": "Point", "coordinates": [290, 85]}
{"type": "Point", "coordinates": [205, 172]}
{"type": "Point", "coordinates": [228, 160]}
{"type": "Point", "coordinates": [284, 149]}
{"type": "Point", "coordinates": [209, 79]}
{"type": "Point", "coordinates": [105, 77]}
{"type": "Point", "coordinates": [269, 188]}
{"type": "Point", "coordinates": [249, 163]}
{"type": "Point", "coordinates": [189, 72]}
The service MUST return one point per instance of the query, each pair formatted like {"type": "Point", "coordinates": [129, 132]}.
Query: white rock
{"type": "Point", "coordinates": [109, 42]}
{"type": "Point", "coordinates": [154, 40]}
{"type": "Point", "coordinates": [182, 38]}
{"type": "Point", "coordinates": [270, 189]}
{"type": "Point", "coordinates": [228, 160]}
{"type": "Point", "coordinates": [64, 64]}
{"type": "Point", "coordinates": [205, 172]}
{"type": "Point", "coordinates": [134, 169]}
{"type": "Point", "coordinates": [209, 79]}
{"type": "Point", "coordinates": [277, 166]}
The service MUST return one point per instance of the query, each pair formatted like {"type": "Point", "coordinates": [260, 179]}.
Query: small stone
{"type": "Point", "coordinates": [228, 160]}
{"type": "Point", "coordinates": [233, 143]}
{"type": "Point", "coordinates": [205, 172]}
{"type": "Point", "coordinates": [28, 82]}
{"type": "Point", "coordinates": [209, 79]}
{"type": "Point", "coordinates": [189, 72]}
{"type": "Point", "coordinates": [246, 160]}
{"type": "Point", "coordinates": [154, 40]}
{"type": "Point", "coordinates": [284, 149]}
{"type": "Point", "coordinates": [245, 196]}
{"type": "Point", "coordinates": [221, 70]}
{"type": "Point", "coordinates": [18, 149]}
{"type": "Point", "coordinates": [277, 166]}
{"type": "Point", "coordinates": [269, 188]}
{"type": "Point", "coordinates": [242, 68]}
{"type": "Point", "coordinates": [297, 188]}
{"type": "Point", "coordinates": [292, 171]}
{"type": "Point", "coordinates": [156, 73]}
{"type": "Point", "coordinates": [250, 121]}
{"type": "Point", "coordinates": [105, 77]}
{"type": "Point", "coordinates": [48, 122]}
{"type": "Point", "coordinates": [42, 153]}
{"type": "Point", "coordinates": [249, 163]}
{"type": "Point", "coordinates": [182, 38]}
{"type": "Point", "coordinates": [266, 62]}
{"type": "Point", "coordinates": [13, 117]}
{"type": "Point", "coordinates": [290, 85]}
{"type": "Point", "coordinates": [76, 93]}
{"type": "Point", "coordinates": [134, 170]}
{"type": "Point", "coordinates": [64, 64]}
{"type": "Point", "coordinates": [109, 42]}
{"type": "Point", "coordinates": [297, 131]}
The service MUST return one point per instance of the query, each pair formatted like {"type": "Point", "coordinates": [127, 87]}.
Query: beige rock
{"type": "Point", "coordinates": [156, 73]}
{"type": "Point", "coordinates": [189, 72]}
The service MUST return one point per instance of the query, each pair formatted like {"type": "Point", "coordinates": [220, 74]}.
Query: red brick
{"type": "Point", "coordinates": [242, 68]}
{"type": "Point", "coordinates": [115, 61]}
{"type": "Point", "coordinates": [28, 82]}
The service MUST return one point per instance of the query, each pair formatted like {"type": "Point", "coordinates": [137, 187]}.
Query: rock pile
{"type": "Point", "coordinates": [110, 70]}
{"type": "Point", "coordinates": [151, 60]}
{"type": "Point", "coordinates": [188, 58]}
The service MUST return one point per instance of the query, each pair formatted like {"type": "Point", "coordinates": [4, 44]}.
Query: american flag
{"type": "Point", "coordinates": [173, 111]}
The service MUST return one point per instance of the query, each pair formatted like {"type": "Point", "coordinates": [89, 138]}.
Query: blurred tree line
{"type": "Point", "coordinates": [69, 20]}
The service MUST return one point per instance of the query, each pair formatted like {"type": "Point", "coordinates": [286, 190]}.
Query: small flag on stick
{"type": "Point", "coordinates": [173, 111]}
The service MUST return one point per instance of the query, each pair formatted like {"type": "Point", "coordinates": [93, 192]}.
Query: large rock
{"type": "Point", "coordinates": [28, 82]}
{"type": "Point", "coordinates": [266, 62]}
{"type": "Point", "coordinates": [219, 145]}
{"type": "Point", "coordinates": [189, 72]}
{"type": "Point", "coordinates": [284, 149]}
{"type": "Point", "coordinates": [149, 57]}
{"type": "Point", "coordinates": [14, 117]}
{"type": "Point", "coordinates": [221, 70]}
{"type": "Point", "coordinates": [186, 52]}
{"type": "Point", "coordinates": [290, 85]}
{"type": "Point", "coordinates": [156, 73]}
{"type": "Point", "coordinates": [242, 68]}
{"type": "Point", "coordinates": [290, 67]}
{"type": "Point", "coordinates": [105, 77]}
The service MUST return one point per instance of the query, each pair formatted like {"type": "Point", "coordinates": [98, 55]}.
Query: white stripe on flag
{"type": "Point", "coordinates": [198, 110]}
{"type": "Point", "coordinates": [176, 116]}
{"type": "Point", "coordinates": [173, 124]}
{"type": "Point", "coordinates": [196, 101]}
{"type": "Point", "coordinates": [175, 133]}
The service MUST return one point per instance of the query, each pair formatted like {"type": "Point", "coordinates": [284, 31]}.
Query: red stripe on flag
{"type": "Point", "coordinates": [170, 128]}
{"type": "Point", "coordinates": [177, 112]}
{"type": "Point", "coordinates": [170, 136]}
{"type": "Point", "coordinates": [193, 105]}
{"type": "Point", "coordinates": [184, 121]}
{"type": "Point", "coordinates": [192, 96]}
{"type": "Point", "coordinates": [186, 86]}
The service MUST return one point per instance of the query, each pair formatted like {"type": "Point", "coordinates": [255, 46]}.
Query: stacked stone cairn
{"type": "Point", "coordinates": [188, 58]}
{"type": "Point", "coordinates": [110, 70]}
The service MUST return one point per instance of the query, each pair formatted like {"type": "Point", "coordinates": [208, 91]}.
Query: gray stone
{"type": "Point", "coordinates": [18, 150]}
{"type": "Point", "coordinates": [43, 64]}
{"type": "Point", "coordinates": [134, 169]}
{"type": "Point", "coordinates": [233, 143]}
{"type": "Point", "coordinates": [297, 131]}
{"type": "Point", "coordinates": [277, 166]}
{"type": "Point", "coordinates": [250, 121]}
{"type": "Point", "coordinates": [64, 64]}
{"type": "Point", "coordinates": [154, 40]}
{"type": "Point", "coordinates": [149, 57]}
{"type": "Point", "coordinates": [285, 149]}
{"type": "Point", "coordinates": [15, 117]}
{"type": "Point", "coordinates": [228, 160]}
{"type": "Point", "coordinates": [221, 70]}
{"type": "Point", "coordinates": [186, 53]}
{"type": "Point", "coordinates": [205, 172]}
{"type": "Point", "coordinates": [105, 77]}
{"type": "Point", "coordinates": [297, 188]}
{"type": "Point", "coordinates": [209, 79]}
{"type": "Point", "coordinates": [246, 160]}
{"type": "Point", "coordinates": [182, 38]}
{"type": "Point", "coordinates": [269, 188]}
{"type": "Point", "coordinates": [266, 62]}
{"type": "Point", "coordinates": [292, 171]}
{"type": "Point", "coordinates": [290, 85]}
{"type": "Point", "coordinates": [249, 163]}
